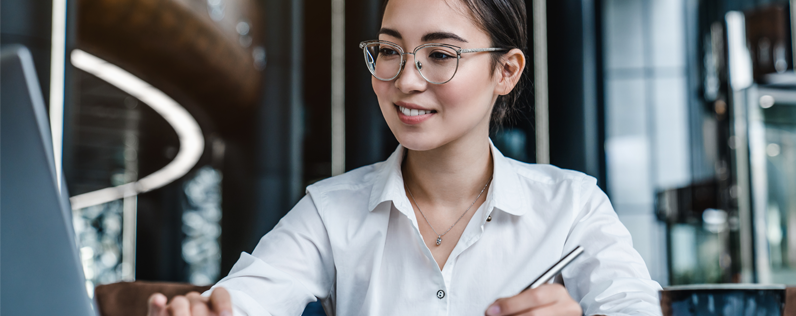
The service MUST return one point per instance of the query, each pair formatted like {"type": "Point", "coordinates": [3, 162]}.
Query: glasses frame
{"type": "Point", "coordinates": [459, 51]}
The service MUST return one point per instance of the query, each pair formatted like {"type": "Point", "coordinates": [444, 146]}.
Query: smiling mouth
{"type": "Point", "coordinates": [414, 112]}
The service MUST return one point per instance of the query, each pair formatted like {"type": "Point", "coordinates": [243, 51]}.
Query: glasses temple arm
{"type": "Point", "coordinates": [476, 50]}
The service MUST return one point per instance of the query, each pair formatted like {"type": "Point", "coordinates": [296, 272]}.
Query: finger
{"type": "Point", "coordinates": [221, 302]}
{"type": "Point", "coordinates": [560, 308]}
{"type": "Point", "coordinates": [546, 294]}
{"type": "Point", "coordinates": [533, 298]}
{"type": "Point", "coordinates": [156, 305]}
{"type": "Point", "coordinates": [198, 304]}
{"type": "Point", "coordinates": [179, 306]}
{"type": "Point", "coordinates": [549, 310]}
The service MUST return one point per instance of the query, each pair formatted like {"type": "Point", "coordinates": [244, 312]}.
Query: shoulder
{"type": "Point", "coordinates": [552, 185]}
{"type": "Point", "coordinates": [349, 187]}
{"type": "Point", "coordinates": [546, 174]}
{"type": "Point", "coordinates": [351, 180]}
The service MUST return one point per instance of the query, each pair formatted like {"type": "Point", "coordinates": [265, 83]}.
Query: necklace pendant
{"type": "Point", "coordinates": [439, 240]}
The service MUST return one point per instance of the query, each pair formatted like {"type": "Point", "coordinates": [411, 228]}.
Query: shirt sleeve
{"type": "Point", "coordinates": [291, 266]}
{"type": "Point", "coordinates": [610, 277]}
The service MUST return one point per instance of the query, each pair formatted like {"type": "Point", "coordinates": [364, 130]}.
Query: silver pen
{"type": "Point", "coordinates": [555, 269]}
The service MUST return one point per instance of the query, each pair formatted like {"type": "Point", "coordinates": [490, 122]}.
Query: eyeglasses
{"type": "Point", "coordinates": [437, 63]}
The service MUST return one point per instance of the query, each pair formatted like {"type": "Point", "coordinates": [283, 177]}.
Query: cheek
{"type": "Point", "coordinates": [467, 92]}
{"type": "Point", "coordinates": [382, 89]}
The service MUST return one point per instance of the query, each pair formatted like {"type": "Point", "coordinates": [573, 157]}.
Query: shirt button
{"type": "Point", "coordinates": [489, 218]}
{"type": "Point", "coordinates": [440, 294]}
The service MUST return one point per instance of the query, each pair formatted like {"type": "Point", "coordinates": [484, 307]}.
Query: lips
{"type": "Point", "coordinates": [412, 116]}
{"type": "Point", "coordinates": [413, 112]}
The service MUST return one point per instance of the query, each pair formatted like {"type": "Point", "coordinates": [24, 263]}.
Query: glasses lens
{"type": "Point", "coordinates": [383, 60]}
{"type": "Point", "coordinates": [437, 63]}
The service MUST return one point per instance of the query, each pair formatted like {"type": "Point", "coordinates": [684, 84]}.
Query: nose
{"type": "Point", "coordinates": [410, 80]}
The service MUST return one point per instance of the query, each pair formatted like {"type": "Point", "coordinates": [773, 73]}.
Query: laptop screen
{"type": "Point", "coordinates": [39, 264]}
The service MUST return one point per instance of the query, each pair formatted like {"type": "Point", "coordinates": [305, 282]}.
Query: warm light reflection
{"type": "Point", "coordinates": [188, 131]}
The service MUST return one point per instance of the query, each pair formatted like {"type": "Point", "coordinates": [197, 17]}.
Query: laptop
{"type": "Point", "coordinates": [40, 270]}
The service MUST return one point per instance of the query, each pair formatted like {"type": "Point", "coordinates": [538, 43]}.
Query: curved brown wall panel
{"type": "Point", "coordinates": [176, 46]}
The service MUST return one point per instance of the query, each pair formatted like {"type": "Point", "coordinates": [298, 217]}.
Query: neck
{"type": "Point", "coordinates": [449, 174]}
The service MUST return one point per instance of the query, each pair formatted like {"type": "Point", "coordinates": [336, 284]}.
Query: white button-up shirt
{"type": "Point", "coordinates": [353, 242]}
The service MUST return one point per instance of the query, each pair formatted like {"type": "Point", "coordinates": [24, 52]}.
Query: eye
{"type": "Point", "coordinates": [387, 51]}
{"type": "Point", "coordinates": [440, 55]}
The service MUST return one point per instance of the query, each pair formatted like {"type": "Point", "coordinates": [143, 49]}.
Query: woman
{"type": "Point", "coordinates": [447, 225]}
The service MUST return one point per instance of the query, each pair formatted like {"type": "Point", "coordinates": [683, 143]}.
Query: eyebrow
{"type": "Point", "coordinates": [390, 32]}
{"type": "Point", "coordinates": [433, 36]}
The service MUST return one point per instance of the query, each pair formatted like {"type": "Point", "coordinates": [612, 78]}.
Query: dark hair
{"type": "Point", "coordinates": [506, 23]}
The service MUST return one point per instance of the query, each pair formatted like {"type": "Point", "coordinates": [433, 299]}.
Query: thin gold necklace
{"type": "Point", "coordinates": [439, 236]}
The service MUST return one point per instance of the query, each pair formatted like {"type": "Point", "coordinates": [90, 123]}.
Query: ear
{"type": "Point", "coordinates": [509, 71]}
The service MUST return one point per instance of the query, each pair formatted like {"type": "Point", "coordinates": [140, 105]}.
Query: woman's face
{"type": "Point", "coordinates": [459, 108]}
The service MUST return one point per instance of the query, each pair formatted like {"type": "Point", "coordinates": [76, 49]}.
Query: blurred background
{"type": "Point", "coordinates": [185, 129]}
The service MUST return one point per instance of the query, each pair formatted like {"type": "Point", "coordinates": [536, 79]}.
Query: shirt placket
{"type": "Point", "coordinates": [438, 288]}
{"type": "Point", "coordinates": [442, 279]}
{"type": "Point", "coordinates": [469, 237]}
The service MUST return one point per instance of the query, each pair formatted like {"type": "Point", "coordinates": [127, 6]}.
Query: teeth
{"type": "Point", "coordinates": [412, 112]}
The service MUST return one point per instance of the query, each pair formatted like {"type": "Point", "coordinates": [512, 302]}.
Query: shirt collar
{"type": "Point", "coordinates": [505, 192]}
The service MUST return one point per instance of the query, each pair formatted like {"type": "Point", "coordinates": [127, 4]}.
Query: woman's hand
{"type": "Point", "coordinates": [548, 299]}
{"type": "Point", "coordinates": [192, 304]}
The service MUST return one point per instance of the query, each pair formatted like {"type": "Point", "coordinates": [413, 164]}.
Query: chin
{"type": "Point", "coordinates": [419, 141]}
{"type": "Point", "coordinates": [417, 145]}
